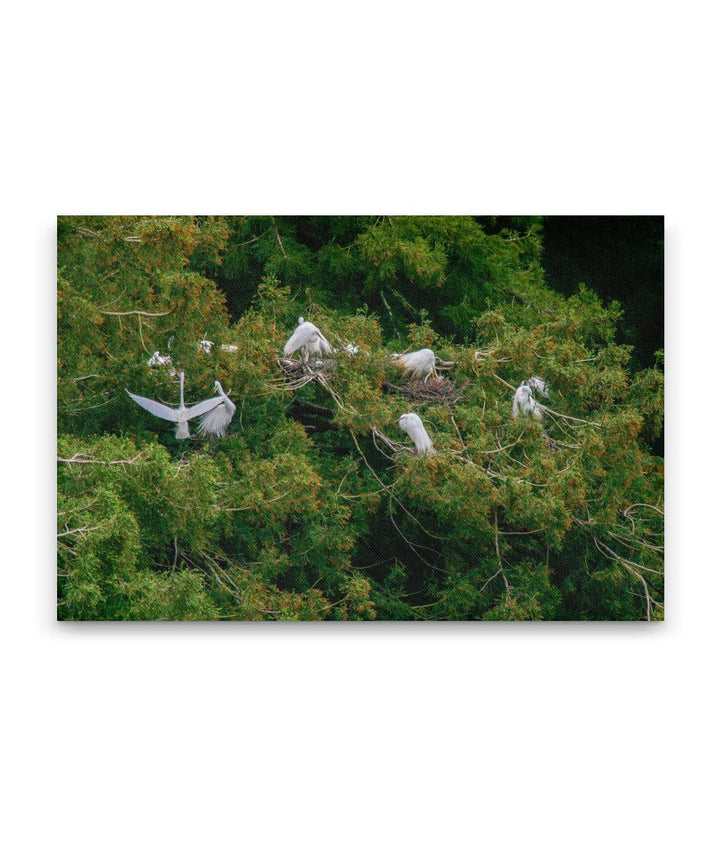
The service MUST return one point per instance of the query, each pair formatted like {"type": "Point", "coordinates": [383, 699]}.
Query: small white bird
{"type": "Point", "coordinates": [205, 345]}
{"type": "Point", "coordinates": [215, 422]}
{"type": "Point", "coordinates": [182, 415]}
{"type": "Point", "coordinates": [158, 360]}
{"type": "Point", "coordinates": [420, 362]}
{"type": "Point", "coordinates": [228, 347]}
{"type": "Point", "coordinates": [523, 402]}
{"type": "Point", "coordinates": [308, 339]}
{"type": "Point", "coordinates": [413, 426]}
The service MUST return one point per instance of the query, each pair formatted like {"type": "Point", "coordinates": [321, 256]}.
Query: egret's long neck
{"type": "Point", "coordinates": [182, 390]}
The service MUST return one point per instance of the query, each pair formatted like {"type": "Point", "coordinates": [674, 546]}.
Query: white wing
{"type": "Point", "coordinates": [202, 407]}
{"type": "Point", "coordinates": [418, 362]}
{"type": "Point", "coordinates": [301, 337]}
{"type": "Point", "coordinates": [217, 420]}
{"type": "Point", "coordinates": [154, 407]}
{"type": "Point", "coordinates": [325, 346]}
{"type": "Point", "coordinates": [413, 426]}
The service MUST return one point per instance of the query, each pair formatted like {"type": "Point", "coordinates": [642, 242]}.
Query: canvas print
{"type": "Point", "coordinates": [374, 418]}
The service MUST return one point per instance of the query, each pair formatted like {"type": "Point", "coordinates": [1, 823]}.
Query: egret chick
{"type": "Point", "coordinates": [158, 359]}
{"type": "Point", "coordinates": [413, 426]}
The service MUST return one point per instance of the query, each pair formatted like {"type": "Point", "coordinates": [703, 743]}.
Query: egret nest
{"type": "Point", "coordinates": [299, 373]}
{"type": "Point", "coordinates": [434, 390]}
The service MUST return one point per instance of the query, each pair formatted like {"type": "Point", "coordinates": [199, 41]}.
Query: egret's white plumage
{"type": "Point", "coordinates": [420, 363]}
{"type": "Point", "coordinates": [228, 347]}
{"type": "Point", "coordinates": [523, 402]}
{"type": "Point", "coordinates": [413, 426]}
{"type": "Point", "coordinates": [158, 359]}
{"type": "Point", "coordinates": [216, 421]}
{"type": "Point", "coordinates": [307, 339]}
{"type": "Point", "coordinates": [205, 345]}
{"type": "Point", "coordinates": [539, 385]}
{"type": "Point", "coordinates": [182, 415]}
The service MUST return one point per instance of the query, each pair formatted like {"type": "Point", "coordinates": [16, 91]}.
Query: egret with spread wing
{"type": "Point", "coordinates": [413, 426]}
{"type": "Point", "coordinates": [182, 415]}
{"type": "Point", "coordinates": [308, 339]}
{"type": "Point", "coordinates": [419, 363]}
{"type": "Point", "coordinates": [216, 421]}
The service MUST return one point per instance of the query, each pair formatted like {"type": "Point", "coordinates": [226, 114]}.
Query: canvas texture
{"type": "Point", "coordinates": [386, 418]}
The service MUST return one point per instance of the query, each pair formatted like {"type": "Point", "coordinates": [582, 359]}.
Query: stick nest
{"type": "Point", "coordinates": [299, 373]}
{"type": "Point", "coordinates": [437, 390]}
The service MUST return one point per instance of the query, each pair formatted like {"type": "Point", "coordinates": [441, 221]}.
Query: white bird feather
{"type": "Point", "coordinates": [158, 359]}
{"type": "Point", "coordinates": [523, 402]}
{"type": "Point", "coordinates": [182, 415]}
{"type": "Point", "coordinates": [419, 363]}
{"type": "Point", "coordinates": [539, 385]}
{"type": "Point", "coordinates": [308, 339]}
{"type": "Point", "coordinates": [413, 426]}
{"type": "Point", "coordinates": [215, 422]}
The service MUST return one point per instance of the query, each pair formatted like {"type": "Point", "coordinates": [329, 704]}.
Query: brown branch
{"type": "Point", "coordinates": [279, 239]}
{"type": "Point", "coordinates": [75, 531]}
{"type": "Point", "coordinates": [565, 416]}
{"type": "Point", "coordinates": [78, 458]}
{"type": "Point", "coordinates": [136, 312]}
{"type": "Point", "coordinates": [644, 505]}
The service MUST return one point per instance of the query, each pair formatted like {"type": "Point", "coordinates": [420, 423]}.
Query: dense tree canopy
{"type": "Point", "coordinates": [314, 507]}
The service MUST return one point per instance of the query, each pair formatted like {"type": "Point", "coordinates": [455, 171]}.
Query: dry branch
{"type": "Point", "coordinates": [436, 390]}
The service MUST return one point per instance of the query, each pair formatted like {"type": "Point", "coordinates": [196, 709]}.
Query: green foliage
{"type": "Point", "coordinates": [302, 513]}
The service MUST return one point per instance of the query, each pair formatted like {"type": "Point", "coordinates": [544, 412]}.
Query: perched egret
{"type": "Point", "coordinates": [419, 363]}
{"type": "Point", "coordinates": [523, 402]}
{"type": "Point", "coordinates": [229, 347]}
{"type": "Point", "coordinates": [413, 426]}
{"type": "Point", "coordinates": [205, 345]}
{"type": "Point", "coordinates": [182, 415]}
{"type": "Point", "coordinates": [216, 421]}
{"type": "Point", "coordinates": [308, 340]}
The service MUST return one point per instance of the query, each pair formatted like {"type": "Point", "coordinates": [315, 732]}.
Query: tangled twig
{"type": "Point", "coordinates": [437, 390]}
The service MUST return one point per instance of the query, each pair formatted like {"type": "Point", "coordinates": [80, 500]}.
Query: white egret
{"type": "Point", "coordinates": [523, 402]}
{"type": "Point", "coordinates": [308, 339]}
{"type": "Point", "coordinates": [539, 385]}
{"type": "Point", "coordinates": [229, 347]}
{"type": "Point", "coordinates": [182, 415]}
{"type": "Point", "coordinates": [419, 363]}
{"type": "Point", "coordinates": [216, 421]}
{"type": "Point", "coordinates": [413, 426]}
{"type": "Point", "coordinates": [205, 345]}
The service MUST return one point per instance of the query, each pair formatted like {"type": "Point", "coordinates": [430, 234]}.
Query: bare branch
{"type": "Point", "coordinates": [136, 312]}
